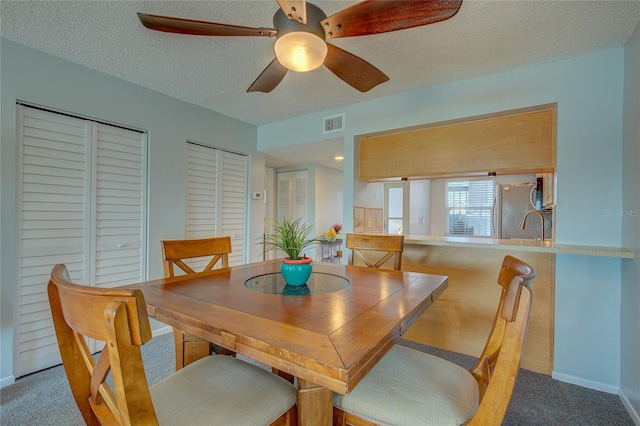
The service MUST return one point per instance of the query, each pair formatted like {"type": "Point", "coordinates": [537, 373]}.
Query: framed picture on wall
{"type": "Point", "coordinates": [373, 220]}
{"type": "Point", "coordinates": [358, 219]}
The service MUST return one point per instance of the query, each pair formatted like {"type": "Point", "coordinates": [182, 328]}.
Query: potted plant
{"type": "Point", "coordinates": [292, 237]}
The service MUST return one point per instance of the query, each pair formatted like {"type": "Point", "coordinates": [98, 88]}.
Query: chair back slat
{"type": "Point", "coordinates": [374, 251]}
{"type": "Point", "coordinates": [119, 318]}
{"type": "Point", "coordinates": [174, 252]}
{"type": "Point", "coordinates": [190, 348]}
{"type": "Point", "coordinates": [100, 371]}
{"type": "Point", "coordinates": [498, 365]}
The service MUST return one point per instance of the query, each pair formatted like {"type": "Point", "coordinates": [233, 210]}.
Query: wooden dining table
{"type": "Point", "coordinates": [328, 334]}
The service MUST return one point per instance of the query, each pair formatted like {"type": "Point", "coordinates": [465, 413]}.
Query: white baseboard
{"type": "Point", "coordinates": [162, 330]}
{"type": "Point", "coordinates": [6, 381]}
{"type": "Point", "coordinates": [635, 416]}
{"type": "Point", "coordinates": [586, 383]}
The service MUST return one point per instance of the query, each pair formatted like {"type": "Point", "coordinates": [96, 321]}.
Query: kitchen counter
{"type": "Point", "coordinates": [518, 245]}
{"type": "Point", "coordinates": [462, 317]}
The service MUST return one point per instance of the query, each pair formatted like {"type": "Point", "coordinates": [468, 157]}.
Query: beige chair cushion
{"type": "Point", "coordinates": [408, 387]}
{"type": "Point", "coordinates": [221, 390]}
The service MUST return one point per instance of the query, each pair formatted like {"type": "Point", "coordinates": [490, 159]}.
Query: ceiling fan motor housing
{"type": "Point", "coordinates": [285, 25]}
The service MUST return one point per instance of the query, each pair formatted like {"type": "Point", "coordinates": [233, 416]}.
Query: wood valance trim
{"type": "Point", "coordinates": [511, 142]}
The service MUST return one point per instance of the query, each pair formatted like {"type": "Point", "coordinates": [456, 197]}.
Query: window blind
{"type": "Point", "coordinates": [469, 207]}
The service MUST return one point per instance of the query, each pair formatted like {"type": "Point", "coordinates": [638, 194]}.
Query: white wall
{"type": "Point", "coordinates": [588, 90]}
{"type": "Point", "coordinates": [32, 76]}
{"type": "Point", "coordinates": [438, 213]}
{"type": "Point", "coordinates": [328, 198]}
{"type": "Point", "coordinates": [630, 313]}
{"type": "Point", "coordinates": [328, 201]}
{"type": "Point", "coordinates": [420, 208]}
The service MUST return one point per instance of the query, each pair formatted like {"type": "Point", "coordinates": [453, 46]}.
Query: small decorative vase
{"type": "Point", "coordinates": [296, 272]}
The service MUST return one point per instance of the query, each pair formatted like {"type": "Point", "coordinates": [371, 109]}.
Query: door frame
{"type": "Point", "coordinates": [404, 185]}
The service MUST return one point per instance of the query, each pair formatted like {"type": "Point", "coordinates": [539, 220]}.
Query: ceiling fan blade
{"type": "Point", "coordinates": [269, 78]}
{"type": "Point", "coordinates": [353, 70]}
{"type": "Point", "coordinates": [375, 17]}
{"type": "Point", "coordinates": [189, 26]}
{"type": "Point", "coordinates": [296, 10]}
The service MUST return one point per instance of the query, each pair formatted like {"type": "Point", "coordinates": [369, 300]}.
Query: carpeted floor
{"type": "Point", "coordinates": [44, 398]}
{"type": "Point", "coordinates": [540, 400]}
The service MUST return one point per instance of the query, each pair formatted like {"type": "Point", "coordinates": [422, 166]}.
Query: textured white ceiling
{"type": "Point", "coordinates": [215, 72]}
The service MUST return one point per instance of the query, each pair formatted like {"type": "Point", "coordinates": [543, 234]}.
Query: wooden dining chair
{"type": "Point", "coordinates": [112, 389]}
{"type": "Point", "coordinates": [190, 348]}
{"type": "Point", "coordinates": [412, 387]}
{"type": "Point", "coordinates": [375, 251]}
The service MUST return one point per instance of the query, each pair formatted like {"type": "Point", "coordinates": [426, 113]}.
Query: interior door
{"type": "Point", "coordinates": [291, 196]}
{"type": "Point", "coordinates": [396, 208]}
{"type": "Point", "coordinates": [270, 207]}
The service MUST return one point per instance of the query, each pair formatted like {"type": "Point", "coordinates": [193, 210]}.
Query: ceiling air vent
{"type": "Point", "coordinates": [334, 123]}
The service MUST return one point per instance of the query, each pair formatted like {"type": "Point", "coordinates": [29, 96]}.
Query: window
{"type": "Point", "coordinates": [469, 207]}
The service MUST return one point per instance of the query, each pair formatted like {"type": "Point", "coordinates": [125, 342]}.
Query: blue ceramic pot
{"type": "Point", "coordinates": [296, 272]}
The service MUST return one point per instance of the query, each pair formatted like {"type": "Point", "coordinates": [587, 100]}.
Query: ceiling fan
{"type": "Point", "coordinates": [301, 30]}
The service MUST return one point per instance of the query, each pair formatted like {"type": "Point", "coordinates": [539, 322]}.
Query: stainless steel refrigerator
{"type": "Point", "coordinates": [512, 202]}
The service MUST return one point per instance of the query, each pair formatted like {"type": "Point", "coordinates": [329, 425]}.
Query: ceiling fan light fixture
{"type": "Point", "coordinates": [300, 51]}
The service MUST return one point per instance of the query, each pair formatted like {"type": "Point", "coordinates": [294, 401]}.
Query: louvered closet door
{"type": "Point", "coordinates": [233, 203]}
{"type": "Point", "coordinates": [202, 191]}
{"type": "Point", "coordinates": [292, 195]}
{"type": "Point", "coordinates": [216, 198]}
{"type": "Point", "coordinates": [54, 219]}
{"type": "Point", "coordinates": [119, 205]}
{"type": "Point", "coordinates": [82, 204]}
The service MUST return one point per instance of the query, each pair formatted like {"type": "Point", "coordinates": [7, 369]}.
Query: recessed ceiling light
{"type": "Point", "coordinates": [338, 157]}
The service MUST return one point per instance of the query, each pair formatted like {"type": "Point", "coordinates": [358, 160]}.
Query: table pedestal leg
{"type": "Point", "coordinates": [315, 404]}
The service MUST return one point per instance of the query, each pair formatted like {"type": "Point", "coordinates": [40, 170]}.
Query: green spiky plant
{"type": "Point", "coordinates": [292, 237]}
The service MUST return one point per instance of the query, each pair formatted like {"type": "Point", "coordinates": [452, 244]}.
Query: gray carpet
{"type": "Point", "coordinates": [44, 398]}
{"type": "Point", "coordinates": [540, 400]}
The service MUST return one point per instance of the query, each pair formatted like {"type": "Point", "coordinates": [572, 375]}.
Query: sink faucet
{"type": "Point", "coordinates": [524, 220]}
